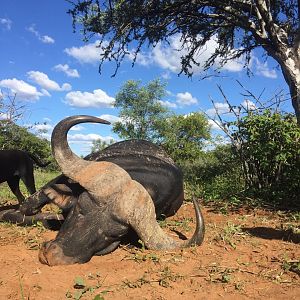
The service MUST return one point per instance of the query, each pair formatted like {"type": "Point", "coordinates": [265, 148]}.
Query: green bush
{"type": "Point", "coordinates": [269, 152]}
{"type": "Point", "coordinates": [13, 136]}
{"type": "Point", "coordinates": [183, 136]}
{"type": "Point", "coordinates": [216, 174]}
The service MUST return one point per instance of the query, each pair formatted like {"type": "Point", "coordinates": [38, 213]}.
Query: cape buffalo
{"type": "Point", "coordinates": [16, 165]}
{"type": "Point", "coordinates": [108, 194]}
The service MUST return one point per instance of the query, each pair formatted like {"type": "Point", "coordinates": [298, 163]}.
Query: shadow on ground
{"type": "Point", "coordinates": [274, 234]}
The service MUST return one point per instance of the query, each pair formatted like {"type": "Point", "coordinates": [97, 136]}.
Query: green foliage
{"type": "Point", "coordinates": [98, 145]}
{"type": "Point", "coordinates": [144, 117]}
{"type": "Point", "coordinates": [140, 110]}
{"type": "Point", "coordinates": [83, 290]}
{"type": "Point", "coordinates": [13, 136]}
{"type": "Point", "coordinates": [269, 151]}
{"type": "Point", "coordinates": [214, 175]}
{"type": "Point", "coordinates": [183, 137]}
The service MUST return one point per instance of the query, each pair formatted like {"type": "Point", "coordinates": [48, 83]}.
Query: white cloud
{"type": "Point", "coordinates": [263, 69]}
{"type": "Point", "coordinates": [143, 59]}
{"type": "Point", "coordinates": [4, 116]}
{"type": "Point", "coordinates": [84, 137]}
{"type": "Point", "coordinates": [45, 93]}
{"type": "Point", "coordinates": [66, 87]}
{"type": "Point", "coordinates": [46, 39]}
{"type": "Point", "coordinates": [168, 104]}
{"type": "Point", "coordinates": [33, 30]}
{"type": "Point", "coordinates": [85, 142]}
{"type": "Point", "coordinates": [185, 99]}
{"type": "Point", "coordinates": [78, 137]}
{"type": "Point", "coordinates": [89, 53]}
{"type": "Point", "coordinates": [249, 105]}
{"type": "Point", "coordinates": [22, 89]}
{"type": "Point", "coordinates": [46, 127]}
{"type": "Point", "coordinates": [77, 128]}
{"type": "Point", "coordinates": [236, 65]}
{"type": "Point", "coordinates": [223, 108]}
{"type": "Point", "coordinates": [43, 80]}
{"type": "Point", "coordinates": [214, 124]}
{"type": "Point", "coordinates": [220, 108]}
{"type": "Point", "coordinates": [6, 23]}
{"type": "Point", "coordinates": [98, 98]}
{"type": "Point", "coordinates": [110, 118]}
{"type": "Point", "coordinates": [168, 56]}
{"type": "Point", "coordinates": [67, 70]}
{"type": "Point", "coordinates": [166, 75]}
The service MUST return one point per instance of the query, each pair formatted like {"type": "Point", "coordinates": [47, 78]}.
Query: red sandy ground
{"type": "Point", "coordinates": [246, 255]}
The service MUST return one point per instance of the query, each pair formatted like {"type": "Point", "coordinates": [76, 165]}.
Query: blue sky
{"type": "Point", "coordinates": [55, 74]}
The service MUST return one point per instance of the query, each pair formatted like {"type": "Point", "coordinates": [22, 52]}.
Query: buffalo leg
{"type": "Point", "coordinates": [28, 180]}
{"type": "Point", "coordinates": [34, 203]}
{"type": "Point", "coordinates": [49, 220]}
{"type": "Point", "coordinates": [56, 191]}
{"type": "Point", "coordinates": [15, 188]}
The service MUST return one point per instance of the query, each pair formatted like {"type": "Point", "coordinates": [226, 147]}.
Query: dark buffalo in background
{"type": "Point", "coordinates": [15, 165]}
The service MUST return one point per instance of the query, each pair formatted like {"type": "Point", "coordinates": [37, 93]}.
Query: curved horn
{"type": "Point", "coordinates": [155, 238]}
{"type": "Point", "coordinates": [66, 159]}
{"type": "Point", "coordinates": [140, 214]}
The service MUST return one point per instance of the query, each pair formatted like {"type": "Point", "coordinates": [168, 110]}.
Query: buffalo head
{"type": "Point", "coordinates": [111, 204]}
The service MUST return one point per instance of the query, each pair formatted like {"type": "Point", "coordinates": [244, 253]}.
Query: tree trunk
{"type": "Point", "coordinates": [290, 65]}
{"type": "Point", "coordinates": [295, 94]}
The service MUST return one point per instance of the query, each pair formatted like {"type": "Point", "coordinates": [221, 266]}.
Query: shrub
{"type": "Point", "coordinates": [269, 152]}
{"type": "Point", "coordinates": [216, 174]}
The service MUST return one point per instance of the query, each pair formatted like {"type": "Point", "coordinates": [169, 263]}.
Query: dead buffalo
{"type": "Point", "coordinates": [130, 184]}
{"type": "Point", "coordinates": [16, 165]}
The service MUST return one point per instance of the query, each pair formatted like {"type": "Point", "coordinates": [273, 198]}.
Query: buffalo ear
{"type": "Point", "coordinates": [60, 195]}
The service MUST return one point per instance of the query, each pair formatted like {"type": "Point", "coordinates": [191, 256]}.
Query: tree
{"type": "Point", "coordinates": [140, 110]}
{"type": "Point", "coordinates": [10, 109]}
{"type": "Point", "coordinates": [239, 26]}
{"type": "Point", "coordinates": [98, 145]}
{"type": "Point", "coordinates": [183, 137]}
{"type": "Point", "coordinates": [144, 117]}
{"type": "Point", "coordinates": [13, 136]}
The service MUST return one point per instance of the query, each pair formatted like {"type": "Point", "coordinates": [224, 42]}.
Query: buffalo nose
{"type": "Point", "coordinates": [48, 253]}
{"type": "Point", "coordinates": [51, 254]}
{"type": "Point", "coordinates": [43, 253]}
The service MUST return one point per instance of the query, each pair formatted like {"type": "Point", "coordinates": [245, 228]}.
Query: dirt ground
{"type": "Point", "coordinates": [246, 255]}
